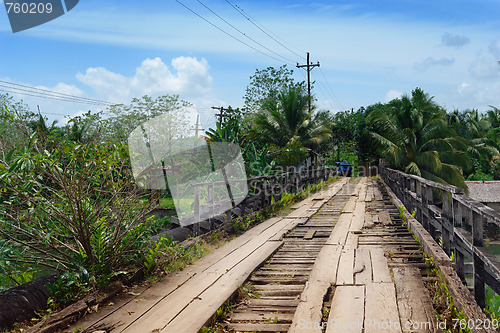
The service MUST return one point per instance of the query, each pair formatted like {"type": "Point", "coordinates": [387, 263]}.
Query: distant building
{"type": "Point", "coordinates": [487, 192]}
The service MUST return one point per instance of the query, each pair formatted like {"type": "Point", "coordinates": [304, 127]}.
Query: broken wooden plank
{"type": "Point", "coordinates": [310, 234]}
{"type": "Point", "coordinates": [384, 217]}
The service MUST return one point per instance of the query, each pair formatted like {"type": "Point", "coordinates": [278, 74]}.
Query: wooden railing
{"type": "Point", "coordinates": [455, 221]}
{"type": "Point", "coordinates": [262, 191]}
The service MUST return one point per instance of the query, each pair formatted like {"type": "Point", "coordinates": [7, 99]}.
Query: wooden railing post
{"type": "Point", "coordinates": [459, 255]}
{"type": "Point", "coordinates": [196, 225]}
{"type": "Point", "coordinates": [425, 207]}
{"type": "Point", "coordinates": [446, 222]}
{"type": "Point", "coordinates": [420, 202]}
{"type": "Point", "coordinates": [211, 203]}
{"type": "Point", "coordinates": [478, 241]}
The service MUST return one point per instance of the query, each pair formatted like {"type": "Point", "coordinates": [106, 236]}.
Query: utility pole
{"type": "Point", "coordinates": [309, 67]}
{"type": "Point", "coordinates": [221, 114]}
{"type": "Point", "coordinates": [197, 128]}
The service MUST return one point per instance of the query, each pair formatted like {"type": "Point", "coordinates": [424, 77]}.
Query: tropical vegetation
{"type": "Point", "coordinates": [69, 202]}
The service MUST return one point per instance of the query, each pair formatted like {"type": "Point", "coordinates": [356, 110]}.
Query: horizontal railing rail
{"type": "Point", "coordinates": [262, 191]}
{"type": "Point", "coordinates": [455, 221]}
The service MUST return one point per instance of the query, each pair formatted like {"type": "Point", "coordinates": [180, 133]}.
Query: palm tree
{"type": "Point", "coordinates": [416, 139]}
{"type": "Point", "coordinates": [286, 120]}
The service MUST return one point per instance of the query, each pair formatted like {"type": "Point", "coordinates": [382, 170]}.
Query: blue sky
{"type": "Point", "coordinates": [369, 51]}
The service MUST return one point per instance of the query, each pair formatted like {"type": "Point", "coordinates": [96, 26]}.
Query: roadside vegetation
{"type": "Point", "coordinates": [69, 203]}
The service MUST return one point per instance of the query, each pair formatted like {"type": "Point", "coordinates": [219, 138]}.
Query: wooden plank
{"type": "Point", "coordinates": [379, 266]}
{"type": "Point", "coordinates": [414, 303]}
{"type": "Point", "coordinates": [171, 305]}
{"type": "Point", "coordinates": [352, 240]}
{"type": "Point", "coordinates": [323, 275]}
{"type": "Point", "coordinates": [347, 310]}
{"type": "Point", "coordinates": [258, 327]}
{"type": "Point", "coordinates": [362, 267]}
{"type": "Point", "coordinates": [201, 307]}
{"type": "Point", "coordinates": [345, 272]}
{"type": "Point", "coordinates": [339, 233]}
{"type": "Point", "coordinates": [381, 311]}
{"type": "Point", "coordinates": [264, 316]}
{"type": "Point", "coordinates": [358, 219]}
{"type": "Point", "coordinates": [350, 205]}
{"type": "Point", "coordinates": [292, 223]}
{"type": "Point", "coordinates": [384, 217]}
{"type": "Point", "coordinates": [310, 234]}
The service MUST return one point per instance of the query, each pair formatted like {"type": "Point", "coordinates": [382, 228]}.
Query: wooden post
{"type": "Point", "coordinates": [477, 240]}
{"type": "Point", "coordinates": [211, 204]}
{"type": "Point", "coordinates": [447, 222]}
{"type": "Point", "coordinates": [459, 256]}
{"type": "Point", "coordinates": [262, 194]}
{"type": "Point", "coordinates": [196, 215]}
{"type": "Point", "coordinates": [425, 207]}
{"type": "Point", "coordinates": [420, 199]}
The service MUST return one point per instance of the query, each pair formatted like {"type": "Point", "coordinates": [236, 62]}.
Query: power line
{"type": "Point", "coordinates": [45, 93]}
{"type": "Point", "coordinates": [244, 34]}
{"type": "Point", "coordinates": [227, 33]}
{"type": "Point", "coordinates": [331, 90]}
{"type": "Point", "coordinates": [261, 28]}
{"type": "Point", "coordinates": [34, 94]}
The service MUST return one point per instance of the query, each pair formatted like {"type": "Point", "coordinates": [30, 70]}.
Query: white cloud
{"type": "Point", "coordinates": [486, 66]}
{"type": "Point", "coordinates": [433, 62]}
{"type": "Point", "coordinates": [452, 40]}
{"type": "Point", "coordinates": [392, 94]}
{"type": "Point", "coordinates": [191, 80]}
{"type": "Point", "coordinates": [462, 87]}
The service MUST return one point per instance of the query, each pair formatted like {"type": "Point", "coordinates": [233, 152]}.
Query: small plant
{"type": "Point", "coordinates": [162, 247]}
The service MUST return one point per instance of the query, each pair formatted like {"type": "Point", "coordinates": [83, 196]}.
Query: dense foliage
{"type": "Point", "coordinates": [69, 203]}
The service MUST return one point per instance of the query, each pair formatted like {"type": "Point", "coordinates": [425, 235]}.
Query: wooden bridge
{"type": "Point", "coordinates": [346, 259]}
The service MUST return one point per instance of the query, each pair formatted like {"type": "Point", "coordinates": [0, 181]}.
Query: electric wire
{"type": "Point", "coordinates": [328, 95]}
{"type": "Point", "coordinates": [55, 94]}
{"type": "Point", "coordinates": [34, 94]}
{"type": "Point", "coordinates": [337, 101]}
{"type": "Point", "coordinates": [262, 28]}
{"type": "Point", "coordinates": [244, 34]}
{"type": "Point", "coordinates": [227, 33]}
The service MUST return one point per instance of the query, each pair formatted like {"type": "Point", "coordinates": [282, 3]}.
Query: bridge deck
{"type": "Point", "coordinates": [342, 261]}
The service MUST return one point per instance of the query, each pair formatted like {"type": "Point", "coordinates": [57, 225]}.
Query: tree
{"type": "Point", "coordinates": [70, 205]}
{"type": "Point", "coordinates": [266, 84]}
{"type": "Point", "coordinates": [12, 113]}
{"type": "Point", "coordinates": [416, 139]}
{"type": "Point", "coordinates": [286, 123]}
{"type": "Point", "coordinates": [118, 121]}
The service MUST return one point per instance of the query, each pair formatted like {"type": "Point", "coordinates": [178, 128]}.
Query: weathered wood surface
{"type": "Point", "coordinates": [347, 312]}
{"type": "Point", "coordinates": [414, 303]}
{"type": "Point", "coordinates": [204, 286]}
{"type": "Point", "coordinates": [351, 265]}
{"type": "Point", "coordinates": [463, 299]}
